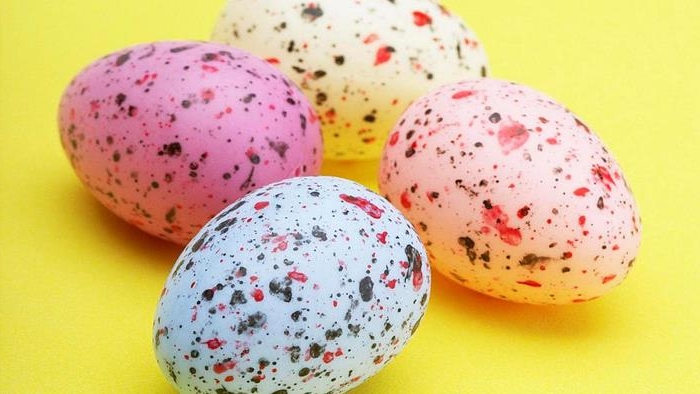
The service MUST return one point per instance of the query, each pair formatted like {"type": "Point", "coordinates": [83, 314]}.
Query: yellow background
{"type": "Point", "coordinates": [78, 287]}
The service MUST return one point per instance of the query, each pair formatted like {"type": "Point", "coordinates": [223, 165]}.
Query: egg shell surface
{"type": "Point", "coordinates": [166, 134]}
{"type": "Point", "coordinates": [513, 195]}
{"type": "Point", "coordinates": [311, 284]}
{"type": "Point", "coordinates": [360, 62]}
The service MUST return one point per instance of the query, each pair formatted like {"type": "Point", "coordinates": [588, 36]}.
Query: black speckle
{"type": "Point", "coordinates": [280, 147]}
{"type": "Point", "coordinates": [495, 117]}
{"type": "Point", "coordinates": [315, 350]}
{"type": "Point", "coordinates": [339, 60]}
{"type": "Point", "coordinates": [333, 334]}
{"type": "Point", "coordinates": [170, 215]}
{"type": "Point", "coordinates": [199, 243]}
{"type": "Point", "coordinates": [466, 242]}
{"type": "Point", "coordinates": [312, 12]}
{"type": "Point", "coordinates": [123, 58]}
{"type": "Point", "coordinates": [186, 103]}
{"type": "Point", "coordinates": [370, 118]}
{"type": "Point", "coordinates": [181, 48]}
{"type": "Point", "coordinates": [366, 286]}
{"type": "Point", "coordinates": [238, 298]}
{"type": "Point", "coordinates": [410, 152]}
{"type": "Point", "coordinates": [208, 57]}
{"type": "Point", "coordinates": [248, 98]}
{"type": "Point", "coordinates": [281, 288]}
{"type": "Point", "coordinates": [294, 353]}
{"type": "Point", "coordinates": [208, 294]}
{"type": "Point", "coordinates": [255, 320]}
{"type": "Point", "coordinates": [121, 97]}
{"type": "Point", "coordinates": [487, 204]}
{"type": "Point", "coordinates": [319, 233]}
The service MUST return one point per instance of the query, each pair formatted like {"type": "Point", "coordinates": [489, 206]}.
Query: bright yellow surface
{"type": "Point", "coordinates": [78, 287]}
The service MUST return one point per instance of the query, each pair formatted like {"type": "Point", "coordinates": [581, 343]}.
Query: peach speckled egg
{"type": "Point", "coordinates": [166, 134]}
{"type": "Point", "coordinates": [514, 195]}
{"type": "Point", "coordinates": [361, 62]}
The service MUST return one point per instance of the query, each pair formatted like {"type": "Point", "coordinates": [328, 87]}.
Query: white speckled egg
{"type": "Point", "coordinates": [513, 195]}
{"type": "Point", "coordinates": [309, 285]}
{"type": "Point", "coordinates": [166, 134]}
{"type": "Point", "coordinates": [361, 62]}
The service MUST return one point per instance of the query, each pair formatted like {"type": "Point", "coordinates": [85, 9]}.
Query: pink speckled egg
{"type": "Point", "coordinates": [513, 195]}
{"type": "Point", "coordinates": [361, 62]}
{"type": "Point", "coordinates": [166, 134]}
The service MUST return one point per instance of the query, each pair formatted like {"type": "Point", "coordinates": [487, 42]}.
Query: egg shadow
{"type": "Point", "coordinates": [76, 202]}
{"type": "Point", "coordinates": [569, 322]}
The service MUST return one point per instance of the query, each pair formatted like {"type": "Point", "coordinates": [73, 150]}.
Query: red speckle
{"type": "Point", "coordinates": [273, 60]}
{"type": "Point", "coordinates": [381, 237]}
{"type": "Point", "coordinates": [370, 38]}
{"type": "Point", "coordinates": [530, 283]}
{"type": "Point", "coordinates": [215, 343]}
{"type": "Point", "coordinates": [512, 137]}
{"type": "Point", "coordinates": [417, 280]}
{"type": "Point", "coordinates": [567, 255]}
{"type": "Point", "coordinates": [228, 378]}
{"type": "Point", "coordinates": [511, 236]}
{"type": "Point", "coordinates": [543, 120]}
{"type": "Point", "coordinates": [220, 368]}
{"type": "Point", "coordinates": [209, 69]}
{"type": "Point", "coordinates": [313, 118]}
{"type": "Point", "coordinates": [581, 220]}
{"type": "Point", "coordinates": [257, 295]}
{"type": "Point", "coordinates": [603, 174]}
{"type": "Point", "coordinates": [394, 139]}
{"type": "Point", "coordinates": [391, 284]}
{"type": "Point", "coordinates": [207, 95]}
{"type": "Point", "coordinates": [609, 278]}
{"type": "Point", "coordinates": [328, 357]}
{"type": "Point", "coordinates": [421, 19]}
{"type": "Point", "coordinates": [194, 314]}
{"type": "Point", "coordinates": [616, 247]}
{"type": "Point", "coordinates": [298, 276]}
{"type": "Point", "coordinates": [463, 94]}
{"type": "Point", "coordinates": [522, 212]}
{"type": "Point", "coordinates": [282, 246]}
{"type": "Point", "coordinates": [383, 55]}
{"type": "Point", "coordinates": [405, 200]}
{"type": "Point", "coordinates": [552, 141]}
{"type": "Point", "coordinates": [369, 208]}
{"type": "Point", "coordinates": [378, 359]}
{"type": "Point", "coordinates": [496, 218]}
{"type": "Point", "coordinates": [261, 205]}
{"type": "Point", "coordinates": [581, 191]}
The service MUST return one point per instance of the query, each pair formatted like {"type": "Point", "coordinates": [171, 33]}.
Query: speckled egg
{"type": "Point", "coordinates": [513, 195]}
{"type": "Point", "coordinates": [309, 285]}
{"type": "Point", "coordinates": [360, 62]}
{"type": "Point", "coordinates": [167, 134]}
